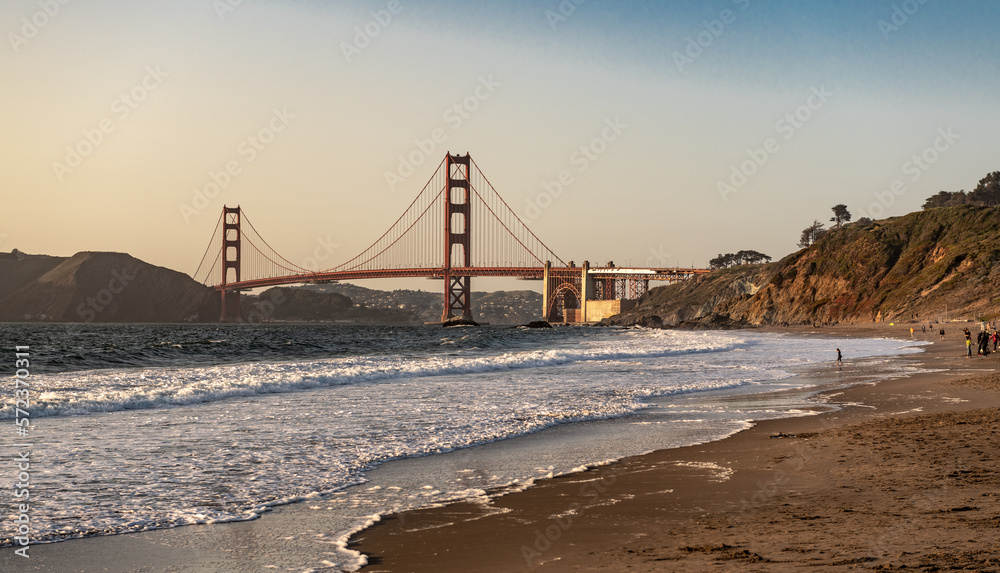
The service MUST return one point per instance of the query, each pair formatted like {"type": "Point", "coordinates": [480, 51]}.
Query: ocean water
{"type": "Point", "coordinates": [139, 427]}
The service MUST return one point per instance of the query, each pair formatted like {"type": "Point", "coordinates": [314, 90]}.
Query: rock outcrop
{"type": "Point", "coordinates": [914, 267]}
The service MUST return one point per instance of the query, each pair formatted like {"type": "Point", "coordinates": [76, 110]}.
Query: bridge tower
{"type": "Point", "coordinates": [457, 231]}
{"type": "Point", "coordinates": [231, 239]}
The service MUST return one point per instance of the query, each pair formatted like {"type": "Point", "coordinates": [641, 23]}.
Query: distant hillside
{"type": "Point", "coordinates": [116, 287]}
{"type": "Point", "coordinates": [18, 269]}
{"type": "Point", "coordinates": [100, 287]}
{"type": "Point", "coordinates": [298, 304]}
{"type": "Point", "coordinates": [910, 267]}
{"type": "Point", "coordinates": [501, 307]}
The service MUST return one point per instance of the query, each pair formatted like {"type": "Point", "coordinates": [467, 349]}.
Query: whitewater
{"type": "Point", "coordinates": [175, 425]}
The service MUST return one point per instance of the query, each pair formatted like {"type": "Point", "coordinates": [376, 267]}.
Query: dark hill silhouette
{"type": "Point", "coordinates": [104, 287]}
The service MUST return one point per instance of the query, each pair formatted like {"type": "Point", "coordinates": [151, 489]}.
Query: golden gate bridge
{"type": "Point", "coordinates": [458, 227]}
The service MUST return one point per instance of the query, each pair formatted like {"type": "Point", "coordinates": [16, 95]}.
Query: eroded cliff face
{"type": "Point", "coordinates": [911, 267]}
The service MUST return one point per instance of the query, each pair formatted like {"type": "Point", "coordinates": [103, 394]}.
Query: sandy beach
{"type": "Point", "coordinates": [904, 477]}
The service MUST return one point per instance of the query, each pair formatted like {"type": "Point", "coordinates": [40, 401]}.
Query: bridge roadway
{"type": "Point", "coordinates": [528, 273]}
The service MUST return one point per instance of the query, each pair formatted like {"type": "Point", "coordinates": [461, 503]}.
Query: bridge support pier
{"type": "Point", "coordinates": [545, 291]}
{"type": "Point", "coordinates": [230, 306]}
{"type": "Point", "coordinates": [458, 291]}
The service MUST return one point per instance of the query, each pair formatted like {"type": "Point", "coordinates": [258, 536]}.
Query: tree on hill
{"type": "Point", "coordinates": [840, 215]}
{"type": "Point", "coordinates": [735, 259]}
{"type": "Point", "coordinates": [811, 234]}
{"type": "Point", "coordinates": [988, 190]}
{"type": "Point", "coordinates": [947, 199]}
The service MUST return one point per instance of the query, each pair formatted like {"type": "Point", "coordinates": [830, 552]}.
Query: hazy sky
{"type": "Point", "coordinates": [710, 126]}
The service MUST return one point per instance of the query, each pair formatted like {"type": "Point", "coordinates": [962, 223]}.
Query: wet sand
{"type": "Point", "coordinates": [906, 477]}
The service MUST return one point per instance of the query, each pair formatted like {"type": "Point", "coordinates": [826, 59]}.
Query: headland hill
{"type": "Point", "coordinates": [116, 287]}
{"type": "Point", "coordinates": [938, 263]}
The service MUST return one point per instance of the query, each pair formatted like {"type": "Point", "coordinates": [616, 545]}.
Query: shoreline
{"type": "Point", "coordinates": [182, 549]}
{"type": "Point", "coordinates": [709, 506]}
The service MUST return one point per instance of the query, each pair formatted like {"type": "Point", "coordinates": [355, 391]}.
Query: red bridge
{"type": "Point", "coordinates": [457, 201]}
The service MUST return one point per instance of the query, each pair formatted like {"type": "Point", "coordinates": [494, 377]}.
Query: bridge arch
{"type": "Point", "coordinates": [562, 296]}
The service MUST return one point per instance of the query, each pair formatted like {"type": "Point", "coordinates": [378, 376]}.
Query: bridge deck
{"type": "Point", "coordinates": [537, 273]}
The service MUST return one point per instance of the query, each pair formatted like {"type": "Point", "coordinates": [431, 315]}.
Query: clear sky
{"type": "Point", "coordinates": [705, 126]}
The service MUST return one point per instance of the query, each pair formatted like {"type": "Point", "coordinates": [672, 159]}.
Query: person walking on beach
{"type": "Point", "coordinates": [839, 358]}
{"type": "Point", "coordinates": [968, 344]}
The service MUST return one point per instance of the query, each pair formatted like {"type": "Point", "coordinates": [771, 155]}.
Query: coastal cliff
{"type": "Point", "coordinates": [915, 267]}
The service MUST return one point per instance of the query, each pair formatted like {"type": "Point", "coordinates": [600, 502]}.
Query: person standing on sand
{"type": "Point", "coordinates": [968, 344]}
{"type": "Point", "coordinates": [840, 358]}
